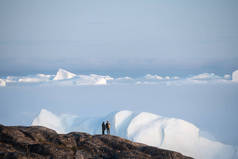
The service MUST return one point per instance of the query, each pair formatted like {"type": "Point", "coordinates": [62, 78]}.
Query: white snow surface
{"type": "Point", "coordinates": [167, 133]}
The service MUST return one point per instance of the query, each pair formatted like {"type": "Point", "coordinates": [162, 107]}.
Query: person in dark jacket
{"type": "Point", "coordinates": [108, 126]}
{"type": "Point", "coordinates": [103, 128]}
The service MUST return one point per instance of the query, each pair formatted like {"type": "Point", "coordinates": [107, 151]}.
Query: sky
{"type": "Point", "coordinates": [119, 37]}
{"type": "Point", "coordinates": [133, 38]}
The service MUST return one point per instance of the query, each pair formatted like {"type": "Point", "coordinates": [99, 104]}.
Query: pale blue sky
{"type": "Point", "coordinates": [126, 37]}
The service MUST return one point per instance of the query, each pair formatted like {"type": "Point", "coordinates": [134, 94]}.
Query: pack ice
{"type": "Point", "coordinates": [167, 133]}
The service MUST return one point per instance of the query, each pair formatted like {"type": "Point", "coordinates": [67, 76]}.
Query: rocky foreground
{"type": "Point", "coordinates": [40, 142]}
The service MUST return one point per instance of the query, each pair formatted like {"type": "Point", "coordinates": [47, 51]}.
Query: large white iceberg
{"type": "Point", "coordinates": [168, 133]}
{"type": "Point", "coordinates": [68, 78]}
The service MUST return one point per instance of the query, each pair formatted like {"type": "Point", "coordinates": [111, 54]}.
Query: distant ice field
{"type": "Point", "coordinates": [66, 78]}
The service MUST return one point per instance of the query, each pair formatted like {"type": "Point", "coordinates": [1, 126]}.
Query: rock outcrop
{"type": "Point", "coordinates": [40, 142]}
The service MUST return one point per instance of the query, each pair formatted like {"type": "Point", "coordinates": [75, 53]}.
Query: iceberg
{"type": "Point", "coordinates": [66, 78]}
{"type": "Point", "coordinates": [2, 83]}
{"type": "Point", "coordinates": [235, 76]}
{"type": "Point", "coordinates": [49, 120]}
{"type": "Point", "coordinates": [63, 74]}
{"type": "Point", "coordinates": [92, 79]}
{"type": "Point", "coordinates": [151, 129]}
{"type": "Point", "coordinates": [35, 79]}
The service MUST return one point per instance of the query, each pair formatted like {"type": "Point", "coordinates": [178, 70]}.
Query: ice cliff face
{"type": "Point", "coordinates": [168, 133]}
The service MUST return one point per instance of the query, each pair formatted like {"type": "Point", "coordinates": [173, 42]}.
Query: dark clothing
{"type": "Point", "coordinates": [103, 128]}
{"type": "Point", "coordinates": [108, 131]}
{"type": "Point", "coordinates": [108, 127]}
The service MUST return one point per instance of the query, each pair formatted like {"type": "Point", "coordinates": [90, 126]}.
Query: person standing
{"type": "Point", "coordinates": [108, 126]}
{"type": "Point", "coordinates": [103, 128]}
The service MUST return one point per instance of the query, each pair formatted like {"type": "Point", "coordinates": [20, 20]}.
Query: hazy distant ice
{"type": "Point", "coordinates": [168, 133]}
{"type": "Point", "coordinates": [63, 74]}
{"type": "Point", "coordinates": [2, 83]}
{"type": "Point", "coordinates": [66, 78]}
{"type": "Point", "coordinates": [235, 76]}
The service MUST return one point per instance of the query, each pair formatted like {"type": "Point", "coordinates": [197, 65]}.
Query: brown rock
{"type": "Point", "coordinates": [17, 142]}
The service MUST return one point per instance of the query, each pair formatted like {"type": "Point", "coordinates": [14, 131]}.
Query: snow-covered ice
{"type": "Point", "coordinates": [93, 79]}
{"type": "Point", "coordinates": [35, 79]}
{"type": "Point", "coordinates": [62, 78]}
{"type": "Point", "coordinates": [66, 78]}
{"type": "Point", "coordinates": [63, 74]}
{"type": "Point", "coordinates": [168, 133]}
{"type": "Point", "coordinates": [149, 76]}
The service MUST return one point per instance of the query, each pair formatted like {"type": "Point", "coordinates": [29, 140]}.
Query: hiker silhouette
{"type": "Point", "coordinates": [103, 128]}
{"type": "Point", "coordinates": [108, 126]}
